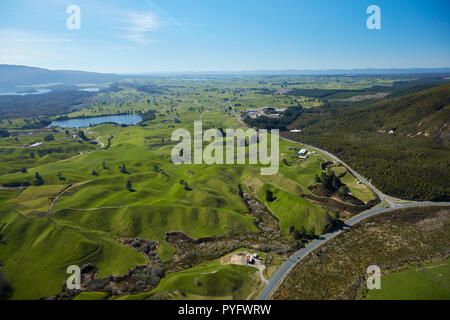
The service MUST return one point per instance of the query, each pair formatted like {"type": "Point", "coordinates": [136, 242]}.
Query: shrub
{"type": "Point", "coordinates": [49, 137]}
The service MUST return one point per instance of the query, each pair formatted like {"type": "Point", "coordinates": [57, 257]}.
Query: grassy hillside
{"type": "Point", "coordinates": [210, 281]}
{"type": "Point", "coordinates": [422, 281]}
{"type": "Point", "coordinates": [39, 250]}
{"type": "Point", "coordinates": [401, 144]}
{"type": "Point", "coordinates": [394, 241]}
{"type": "Point", "coordinates": [82, 224]}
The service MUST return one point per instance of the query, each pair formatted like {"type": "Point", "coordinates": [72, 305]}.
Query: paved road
{"type": "Point", "coordinates": [287, 266]}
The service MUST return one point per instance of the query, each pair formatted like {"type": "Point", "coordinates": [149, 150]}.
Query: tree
{"type": "Point", "coordinates": [82, 135]}
{"type": "Point", "coordinates": [269, 196]}
{"type": "Point", "coordinates": [39, 181]}
{"type": "Point", "coordinates": [129, 186]}
{"type": "Point", "coordinates": [123, 169]}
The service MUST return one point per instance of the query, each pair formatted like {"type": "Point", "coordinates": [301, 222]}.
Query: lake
{"type": "Point", "coordinates": [128, 119]}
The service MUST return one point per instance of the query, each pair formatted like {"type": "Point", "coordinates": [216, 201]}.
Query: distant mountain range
{"type": "Point", "coordinates": [12, 76]}
{"type": "Point", "coordinates": [368, 71]}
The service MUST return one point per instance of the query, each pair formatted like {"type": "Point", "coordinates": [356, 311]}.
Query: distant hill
{"type": "Point", "coordinates": [324, 72]}
{"type": "Point", "coordinates": [425, 113]}
{"type": "Point", "coordinates": [12, 76]}
{"type": "Point", "coordinates": [401, 144]}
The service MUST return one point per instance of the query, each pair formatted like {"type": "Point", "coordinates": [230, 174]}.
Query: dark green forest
{"type": "Point", "coordinates": [401, 144]}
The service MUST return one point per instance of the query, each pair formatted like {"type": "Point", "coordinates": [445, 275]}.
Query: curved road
{"type": "Point", "coordinates": [287, 266]}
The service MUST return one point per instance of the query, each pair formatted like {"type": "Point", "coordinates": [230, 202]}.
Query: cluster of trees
{"type": "Point", "coordinates": [49, 137]}
{"type": "Point", "coordinates": [263, 122]}
{"type": "Point", "coordinates": [149, 115]}
{"type": "Point", "coordinates": [4, 133]}
{"type": "Point", "coordinates": [331, 182]}
{"type": "Point", "coordinates": [82, 136]}
{"type": "Point", "coordinates": [36, 124]}
{"type": "Point", "coordinates": [38, 180]}
{"type": "Point", "coordinates": [301, 233]}
{"type": "Point", "coordinates": [43, 152]}
{"type": "Point", "coordinates": [15, 184]}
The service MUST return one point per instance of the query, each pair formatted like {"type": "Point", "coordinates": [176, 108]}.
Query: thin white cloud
{"type": "Point", "coordinates": [139, 25]}
{"type": "Point", "coordinates": [141, 22]}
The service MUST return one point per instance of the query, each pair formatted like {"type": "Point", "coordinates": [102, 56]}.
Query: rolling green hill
{"type": "Point", "coordinates": [82, 224]}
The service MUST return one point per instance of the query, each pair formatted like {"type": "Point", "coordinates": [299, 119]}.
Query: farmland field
{"type": "Point", "coordinates": [424, 281]}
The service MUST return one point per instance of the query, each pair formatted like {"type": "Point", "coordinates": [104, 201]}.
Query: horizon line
{"type": "Point", "coordinates": [253, 71]}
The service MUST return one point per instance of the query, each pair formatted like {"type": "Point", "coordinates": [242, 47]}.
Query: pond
{"type": "Point", "coordinates": [128, 119]}
{"type": "Point", "coordinates": [90, 89]}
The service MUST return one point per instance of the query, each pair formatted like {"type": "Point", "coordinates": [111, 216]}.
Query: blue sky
{"type": "Point", "coordinates": [139, 36]}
